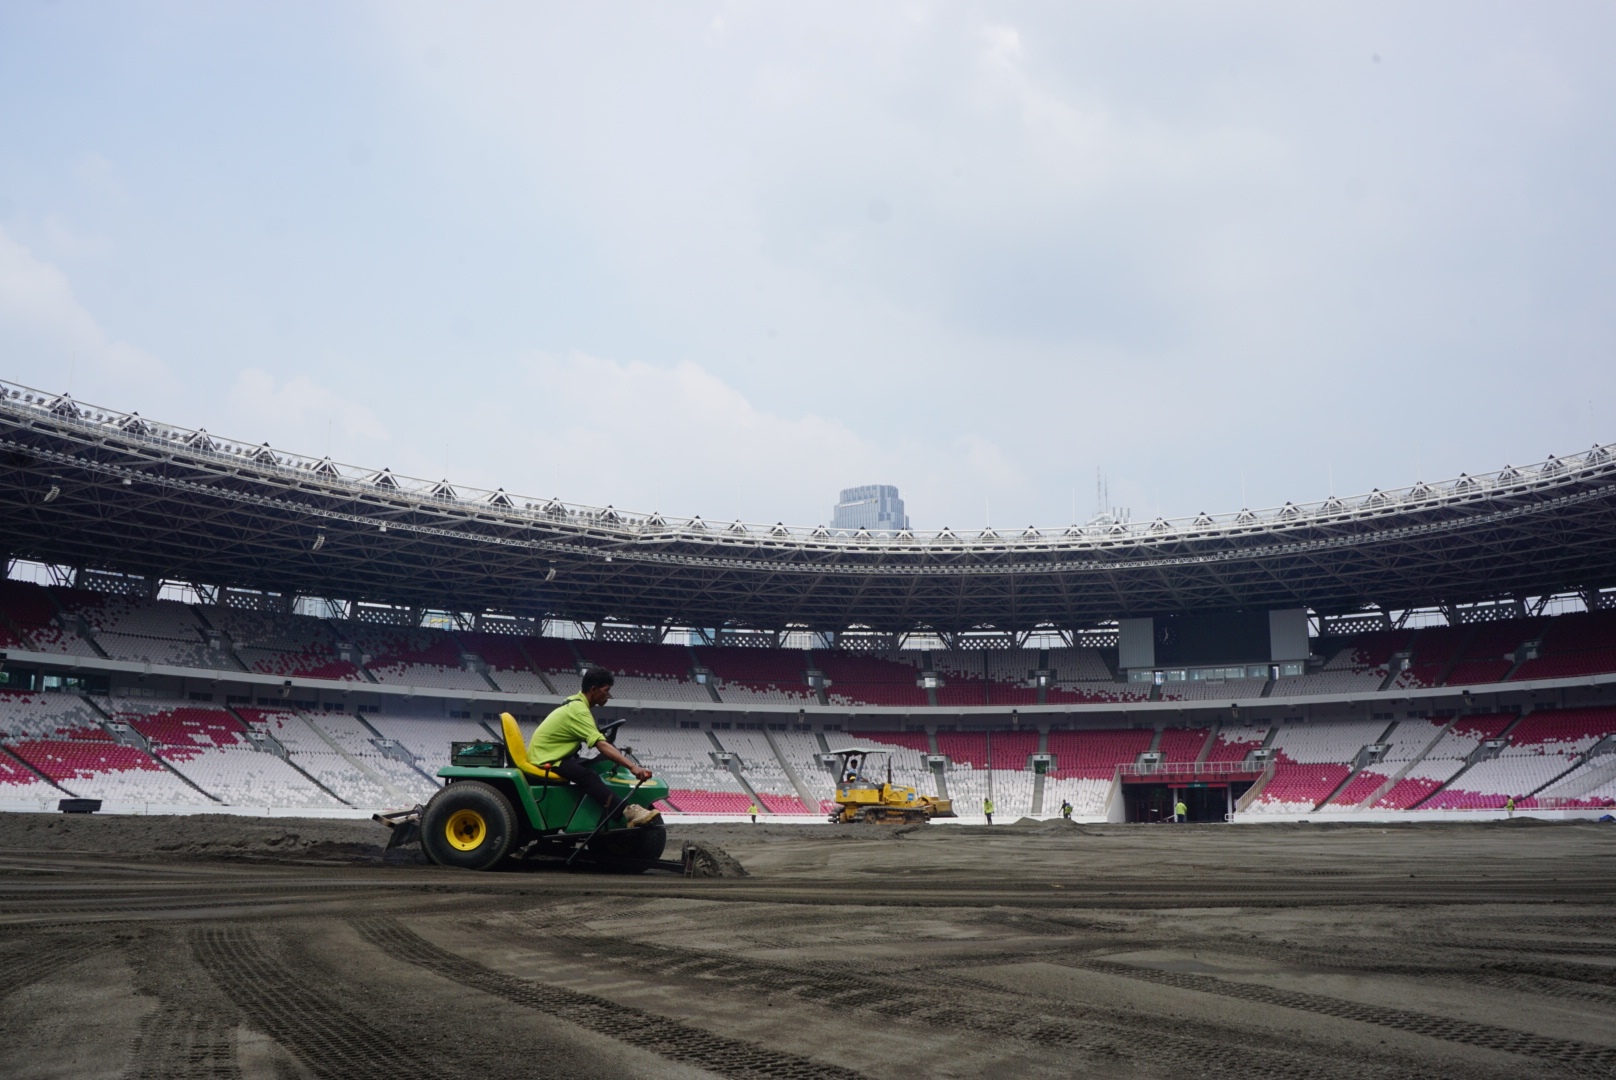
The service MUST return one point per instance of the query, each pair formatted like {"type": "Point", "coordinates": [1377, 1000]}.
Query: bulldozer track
{"type": "Point", "coordinates": [662, 1035]}
{"type": "Point", "coordinates": [330, 1040]}
{"type": "Point", "coordinates": [1591, 1057]}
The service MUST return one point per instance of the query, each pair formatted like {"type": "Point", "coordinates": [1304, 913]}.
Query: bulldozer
{"type": "Point", "coordinates": [861, 796]}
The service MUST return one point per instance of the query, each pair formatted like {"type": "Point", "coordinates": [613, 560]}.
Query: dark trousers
{"type": "Point", "coordinates": [581, 776]}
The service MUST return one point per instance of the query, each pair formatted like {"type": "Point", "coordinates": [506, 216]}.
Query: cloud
{"type": "Point", "coordinates": [682, 440]}
{"type": "Point", "coordinates": [43, 323]}
{"type": "Point", "coordinates": [300, 414]}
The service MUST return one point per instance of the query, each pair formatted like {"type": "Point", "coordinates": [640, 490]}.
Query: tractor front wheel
{"type": "Point", "coordinates": [468, 825]}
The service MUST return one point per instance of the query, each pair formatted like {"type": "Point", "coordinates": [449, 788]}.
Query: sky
{"type": "Point", "coordinates": [728, 258]}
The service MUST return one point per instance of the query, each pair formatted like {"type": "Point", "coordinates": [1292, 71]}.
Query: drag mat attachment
{"type": "Point", "coordinates": [405, 825]}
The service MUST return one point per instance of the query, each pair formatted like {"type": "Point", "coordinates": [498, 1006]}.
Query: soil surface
{"type": "Point", "coordinates": [289, 948]}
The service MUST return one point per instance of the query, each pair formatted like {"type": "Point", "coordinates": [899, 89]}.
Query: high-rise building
{"type": "Point", "coordinates": [874, 506]}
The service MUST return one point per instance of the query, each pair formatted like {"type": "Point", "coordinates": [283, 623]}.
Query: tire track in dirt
{"type": "Point", "coordinates": [176, 1043]}
{"type": "Point", "coordinates": [998, 1012]}
{"type": "Point", "coordinates": [38, 961]}
{"type": "Point", "coordinates": [661, 1035]}
{"type": "Point", "coordinates": [1587, 1056]}
{"type": "Point", "coordinates": [330, 1040]}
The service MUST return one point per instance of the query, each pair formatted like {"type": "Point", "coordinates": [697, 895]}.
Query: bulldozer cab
{"type": "Point", "coordinates": [855, 760]}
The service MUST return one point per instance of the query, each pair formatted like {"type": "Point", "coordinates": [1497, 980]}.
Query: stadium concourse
{"type": "Point", "coordinates": [154, 705]}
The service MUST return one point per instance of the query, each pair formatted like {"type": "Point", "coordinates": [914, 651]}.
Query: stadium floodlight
{"type": "Point", "coordinates": [54, 492]}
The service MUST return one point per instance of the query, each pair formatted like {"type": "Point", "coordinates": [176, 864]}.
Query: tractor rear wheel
{"type": "Point", "coordinates": [468, 825]}
{"type": "Point", "coordinates": [622, 851]}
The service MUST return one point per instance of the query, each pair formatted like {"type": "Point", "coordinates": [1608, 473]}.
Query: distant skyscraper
{"type": "Point", "coordinates": [874, 506]}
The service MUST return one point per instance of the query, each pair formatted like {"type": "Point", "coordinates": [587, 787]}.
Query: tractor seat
{"type": "Point", "coordinates": [516, 747]}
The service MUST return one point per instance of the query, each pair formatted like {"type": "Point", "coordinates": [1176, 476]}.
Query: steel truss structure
{"type": "Point", "coordinates": [95, 488]}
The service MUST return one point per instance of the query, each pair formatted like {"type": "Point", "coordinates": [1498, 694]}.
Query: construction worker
{"type": "Point", "coordinates": [1509, 806]}
{"type": "Point", "coordinates": [1066, 809]}
{"type": "Point", "coordinates": [987, 810]}
{"type": "Point", "coordinates": [751, 808]}
{"type": "Point", "coordinates": [1181, 812]}
{"type": "Point", "coordinates": [571, 727]}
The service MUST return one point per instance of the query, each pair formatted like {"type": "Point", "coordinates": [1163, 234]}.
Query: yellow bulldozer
{"type": "Point", "coordinates": [861, 796]}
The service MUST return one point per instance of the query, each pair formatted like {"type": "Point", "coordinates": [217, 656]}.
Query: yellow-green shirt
{"type": "Point", "coordinates": [569, 726]}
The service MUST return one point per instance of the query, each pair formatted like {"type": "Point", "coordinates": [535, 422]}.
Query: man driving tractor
{"type": "Point", "coordinates": [571, 727]}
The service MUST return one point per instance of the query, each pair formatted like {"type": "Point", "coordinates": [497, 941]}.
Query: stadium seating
{"type": "Point", "coordinates": [1235, 742]}
{"type": "Point", "coordinates": [1582, 643]}
{"type": "Point", "coordinates": [49, 716]}
{"type": "Point", "coordinates": [360, 744]}
{"type": "Point", "coordinates": [861, 679]}
{"type": "Point", "coordinates": [411, 657]}
{"type": "Point", "coordinates": [1178, 744]}
{"type": "Point", "coordinates": [108, 771]}
{"type": "Point", "coordinates": [35, 623]}
{"type": "Point", "coordinates": [508, 664]}
{"type": "Point", "coordinates": [19, 784]}
{"type": "Point", "coordinates": [1095, 755]}
{"type": "Point", "coordinates": [209, 747]}
{"type": "Point", "coordinates": [682, 759]}
{"type": "Point", "coordinates": [1311, 760]}
{"type": "Point", "coordinates": [349, 779]}
{"type": "Point", "coordinates": [764, 676]}
{"type": "Point", "coordinates": [759, 763]}
{"type": "Point", "coordinates": [283, 644]}
{"type": "Point", "coordinates": [1212, 689]}
{"type": "Point", "coordinates": [905, 752]}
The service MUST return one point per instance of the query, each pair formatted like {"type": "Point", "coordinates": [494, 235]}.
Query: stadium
{"type": "Point", "coordinates": [234, 655]}
{"type": "Point", "coordinates": [1429, 651]}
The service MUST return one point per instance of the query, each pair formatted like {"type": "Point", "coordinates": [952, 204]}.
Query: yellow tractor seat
{"type": "Point", "coordinates": [516, 747]}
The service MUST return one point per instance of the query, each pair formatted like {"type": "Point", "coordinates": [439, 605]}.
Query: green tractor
{"type": "Point", "coordinates": [497, 807]}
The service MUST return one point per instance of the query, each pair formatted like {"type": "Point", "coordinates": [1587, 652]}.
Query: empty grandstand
{"type": "Point", "coordinates": [189, 621]}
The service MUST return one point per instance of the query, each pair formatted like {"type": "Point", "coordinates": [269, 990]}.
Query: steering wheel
{"type": "Point", "coordinates": [609, 732]}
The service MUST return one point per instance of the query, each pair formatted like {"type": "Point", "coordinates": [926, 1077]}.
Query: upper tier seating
{"type": "Point", "coordinates": [862, 679]}
{"type": "Point", "coordinates": [778, 676]}
{"type": "Point", "coordinates": [646, 672]}
{"type": "Point", "coordinates": [1583, 643]}
{"type": "Point", "coordinates": [508, 664]}
{"type": "Point", "coordinates": [1212, 689]}
{"type": "Point", "coordinates": [1096, 693]}
{"type": "Point", "coordinates": [31, 612]}
{"type": "Point", "coordinates": [145, 631]}
{"type": "Point", "coordinates": [1078, 665]}
{"type": "Point", "coordinates": [412, 657]}
{"type": "Point", "coordinates": [297, 645]}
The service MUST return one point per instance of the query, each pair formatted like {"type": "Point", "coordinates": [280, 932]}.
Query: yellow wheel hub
{"type": "Point", "coordinates": [465, 829]}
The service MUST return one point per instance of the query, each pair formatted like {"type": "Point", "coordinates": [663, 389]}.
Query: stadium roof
{"type": "Point", "coordinates": [92, 487]}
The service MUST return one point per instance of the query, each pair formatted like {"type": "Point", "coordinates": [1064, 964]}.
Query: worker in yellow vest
{"type": "Point", "coordinates": [1181, 813]}
{"type": "Point", "coordinates": [987, 810]}
{"type": "Point", "coordinates": [751, 808]}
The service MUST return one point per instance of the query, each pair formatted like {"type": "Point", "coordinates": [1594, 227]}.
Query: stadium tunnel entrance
{"type": "Point", "coordinates": [1211, 800]}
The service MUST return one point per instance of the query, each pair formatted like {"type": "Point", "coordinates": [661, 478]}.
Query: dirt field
{"type": "Point", "coordinates": [230, 947]}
